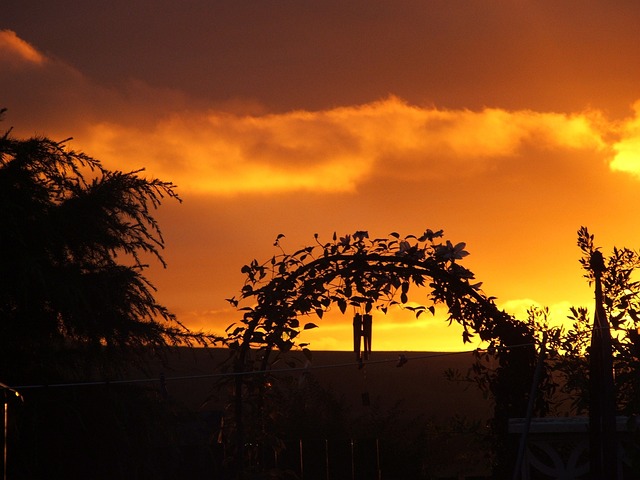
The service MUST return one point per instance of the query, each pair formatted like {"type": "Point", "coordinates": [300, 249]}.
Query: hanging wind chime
{"type": "Point", "coordinates": [362, 328]}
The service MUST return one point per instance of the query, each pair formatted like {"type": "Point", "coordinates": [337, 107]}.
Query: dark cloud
{"type": "Point", "coordinates": [556, 56]}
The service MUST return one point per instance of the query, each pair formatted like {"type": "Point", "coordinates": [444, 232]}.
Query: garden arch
{"type": "Point", "coordinates": [369, 274]}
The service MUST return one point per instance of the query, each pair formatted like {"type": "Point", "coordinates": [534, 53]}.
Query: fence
{"type": "Point", "coordinates": [326, 459]}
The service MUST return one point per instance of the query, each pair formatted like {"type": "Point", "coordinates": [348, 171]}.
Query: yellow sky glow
{"type": "Point", "coordinates": [627, 149]}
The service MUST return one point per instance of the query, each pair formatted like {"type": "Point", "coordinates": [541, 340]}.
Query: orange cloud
{"type": "Point", "coordinates": [627, 148]}
{"type": "Point", "coordinates": [333, 150]}
{"type": "Point", "coordinates": [223, 154]}
{"type": "Point", "coordinates": [15, 51]}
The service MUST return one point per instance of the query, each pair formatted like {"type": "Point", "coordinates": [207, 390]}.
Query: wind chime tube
{"type": "Point", "coordinates": [367, 327]}
{"type": "Point", "coordinates": [362, 332]}
{"type": "Point", "coordinates": [357, 334]}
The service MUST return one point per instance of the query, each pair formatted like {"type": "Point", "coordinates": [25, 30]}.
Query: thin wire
{"type": "Point", "coordinates": [255, 372]}
{"type": "Point", "coordinates": [271, 371]}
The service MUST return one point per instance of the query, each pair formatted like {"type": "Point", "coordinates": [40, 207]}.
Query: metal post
{"type": "Point", "coordinates": [6, 429]}
{"type": "Point", "coordinates": [5, 391]}
{"type": "Point", "coordinates": [530, 404]}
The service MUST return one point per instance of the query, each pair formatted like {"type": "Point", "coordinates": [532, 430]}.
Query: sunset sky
{"type": "Point", "coordinates": [506, 123]}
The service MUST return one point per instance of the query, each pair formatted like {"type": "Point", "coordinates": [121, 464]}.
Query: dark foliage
{"type": "Point", "coordinates": [565, 390]}
{"type": "Point", "coordinates": [564, 387]}
{"type": "Point", "coordinates": [75, 306]}
{"type": "Point", "coordinates": [73, 241]}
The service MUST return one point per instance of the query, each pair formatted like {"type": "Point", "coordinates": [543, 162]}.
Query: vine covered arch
{"type": "Point", "coordinates": [372, 274]}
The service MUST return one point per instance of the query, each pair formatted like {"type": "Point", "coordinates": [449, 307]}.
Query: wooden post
{"type": "Point", "coordinates": [353, 461]}
{"type": "Point", "coordinates": [326, 457]}
{"type": "Point", "coordinates": [602, 401]}
{"type": "Point", "coordinates": [378, 459]}
{"type": "Point", "coordinates": [301, 462]}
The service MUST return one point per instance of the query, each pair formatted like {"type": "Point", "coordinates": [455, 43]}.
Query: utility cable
{"type": "Point", "coordinates": [403, 359]}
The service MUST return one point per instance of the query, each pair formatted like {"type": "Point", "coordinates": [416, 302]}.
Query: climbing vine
{"type": "Point", "coordinates": [291, 292]}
